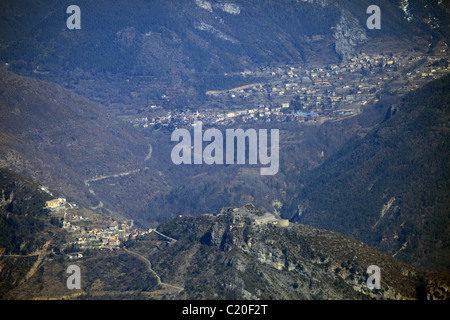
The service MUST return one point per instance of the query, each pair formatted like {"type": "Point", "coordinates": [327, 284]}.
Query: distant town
{"type": "Point", "coordinates": [311, 96]}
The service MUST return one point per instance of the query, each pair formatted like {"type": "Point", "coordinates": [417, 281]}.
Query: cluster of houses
{"type": "Point", "coordinates": [96, 238]}
{"type": "Point", "coordinates": [88, 235]}
{"type": "Point", "coordinates": [104, 238]}
{"type": "Point", "coordinates": [319, 93]}
{"type": "Point", "coordinates": [109, 238]}
{"type": "Point", "coordinates": [211, 117]}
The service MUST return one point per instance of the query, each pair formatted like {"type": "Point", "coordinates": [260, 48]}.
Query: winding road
{"type": "Point", "coordinates": [163, 235]}
{"type": "Point", "coordinates": [149, 267]}
{"type": "Point", "coordinates": [115, 175]}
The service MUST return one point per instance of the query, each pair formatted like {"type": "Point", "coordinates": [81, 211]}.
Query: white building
{"type": "Point", "coordinates": [265, 219]}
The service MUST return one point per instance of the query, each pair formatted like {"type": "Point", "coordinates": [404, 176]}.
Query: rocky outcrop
{"type": "Point", "coordinates": [214, 31]}
{"type": "Point", "coordinates": [230, 8]}
{"type": "Point", "coordinates": [204, 5]}
{"type": "Point", "coordinates": [258, 261]}
{"type": "Point", "coordinates": [348, 34]}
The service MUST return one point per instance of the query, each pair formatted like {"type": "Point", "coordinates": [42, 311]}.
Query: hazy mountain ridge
{"type": "Point", "coordinates": [170, 48]}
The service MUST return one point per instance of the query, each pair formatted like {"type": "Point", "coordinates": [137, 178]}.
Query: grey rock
{"type": "Point", "coordinates": [348, 34]}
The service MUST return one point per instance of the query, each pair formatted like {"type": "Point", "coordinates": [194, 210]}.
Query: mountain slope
{"type": "Point", "coordinates": [228, 256]}
{"type": "Point", "coordinates": [221, 256]}
{"type": "Point", "coordinates": [135, 54]}
{"type": "Point", "coordinates": [180, 49]}
{"type": "Point", "coordinates": [27, 231]}
{"type": "Point", "coordinates": [35, 248]}
{"type": "Point", "coordinates": [75, 146]}
{"type": "Point", "coordinates": [64, 141]}
{"type": "Point", "coordinates": [390, 188]}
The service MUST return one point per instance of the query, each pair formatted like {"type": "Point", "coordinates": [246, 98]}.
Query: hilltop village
{"type": "Point", "coordinates": [89, 230]}
{"type": "Point", "coordinates": [309, 96]}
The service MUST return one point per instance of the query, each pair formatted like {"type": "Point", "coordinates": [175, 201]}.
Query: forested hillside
{"type": "Point", "coordinates": [390, 188]}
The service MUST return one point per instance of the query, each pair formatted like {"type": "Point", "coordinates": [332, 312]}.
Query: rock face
{"type": "Point", "coordinates": [348, 33]}
{"type": "Point", "coordinates": [230, 8]}
{"type": "Point", "coordinates": [230, 256]}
